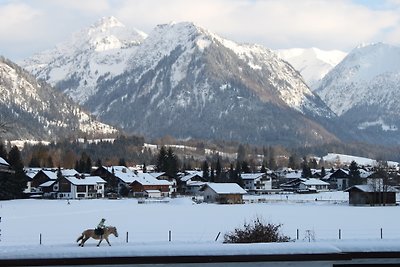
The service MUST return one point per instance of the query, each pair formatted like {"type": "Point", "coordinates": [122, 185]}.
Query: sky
{"type": "Point", "coordinates": [31, 26]}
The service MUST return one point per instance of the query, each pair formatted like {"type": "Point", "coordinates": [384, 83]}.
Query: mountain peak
{"type": "Point", "coordinates": [107, 22]}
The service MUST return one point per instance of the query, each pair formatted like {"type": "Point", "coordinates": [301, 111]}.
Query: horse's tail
{"type": "Point", "coordinates": [79, 238]}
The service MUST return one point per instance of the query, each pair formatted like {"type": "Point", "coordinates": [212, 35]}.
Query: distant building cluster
{"type": "Point", "coordinates": [370, 187]}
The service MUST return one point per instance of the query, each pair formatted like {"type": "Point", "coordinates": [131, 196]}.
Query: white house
{"type": "Point", "coordinates": [223, 193]}
{"type": "Point", "coordinates": [313, 184]}
{"type": "Point", "coordinates": [257, 182]}
{"type": "Point", "coordinates": [88, 187]}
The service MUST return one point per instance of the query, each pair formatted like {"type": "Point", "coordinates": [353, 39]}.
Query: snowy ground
{"type": "Point", "coordinates": [319, 216]}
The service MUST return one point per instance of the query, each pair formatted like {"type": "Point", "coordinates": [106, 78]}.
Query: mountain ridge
{"type": "Point", "coordinates": [185, 81]}
{"type": "Point", "coordinates": [363, 90]}
{"type": "Point", "coordinates": [35, 110]}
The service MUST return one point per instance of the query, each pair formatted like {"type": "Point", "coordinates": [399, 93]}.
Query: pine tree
{"type": "Point", "coordinates": [212, 175]}
{"type": "Point", "coordinates": [171, 163]}
{"type": "Point", "coordinates": [161, 160]}
{"type": "Point", "coordinates": [323, 172]}
{"type": "Point", "coordinates": [218, 169]}
{"type": "Point", "coordinates": [354, 174]}
{"type": "Point", "coordinates": [204, 168]}
{"type": "Point", "coordinates": [245, 167]}
{"type": "Point", "coordinates": [16, 182]}
{"type": "Point", "coordinates": [306, 172]}
{"type": "Point", "coordinates": [263, 169]}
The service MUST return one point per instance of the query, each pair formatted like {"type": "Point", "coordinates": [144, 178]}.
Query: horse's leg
{"type": "Point", "coordinates": [101, 239]}
{"type": "Point", "coordinates": [84, 240]}
{"type": "Point", "coordinates": [79, 238]}
{"type": "Point", "coordinates": [106, 238]}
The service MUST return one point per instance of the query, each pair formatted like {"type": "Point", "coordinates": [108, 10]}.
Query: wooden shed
{"type": "Point", "coordinates": [372, 196]}
{"type": "Point", "coordinates": [223, 193]}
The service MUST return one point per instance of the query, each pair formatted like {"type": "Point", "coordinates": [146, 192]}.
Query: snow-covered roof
{"type": "Point", "coordinates": [369, 188]}
{"type": "Point", "coordinates": [191, 175]}
{"type": "Point", "coordinates": [52, 175]}
{"type": "Point", "coordinates": [69, 172]}
{"type": "Point", "coordinates": [195, 183]}
{"type": "Point", "coordinates": [251, 176]}
{"type": "Point", "coordinates": [226, 188]}
{"type": "Point", "coordinates": [126, 177]}
{"type": "Point", "coordinates": [147, 179]}
{"type": "Point", "coordinates": [90, 180]}
{"type": "Point", "coordinates": [3, 162]}
{"type": "Point", "coordinates": [313, 181]}
{"type": "Point", "coordinates": [156, 174]}
{"type": "Point", "coordinates": [116, 169]}
{"type": "Point", "coordinates": [48, 183]}
{"type": "Point", "coordinates": [293, 175]}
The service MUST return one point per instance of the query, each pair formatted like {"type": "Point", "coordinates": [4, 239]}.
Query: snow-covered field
{"type": "Point", "coordinates": [314, 215]}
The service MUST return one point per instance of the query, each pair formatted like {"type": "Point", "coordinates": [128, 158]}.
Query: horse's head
{"type": "Point", "coordinates": [113, 230]}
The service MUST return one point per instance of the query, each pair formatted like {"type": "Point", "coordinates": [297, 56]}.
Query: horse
{"type": "Point", "coordinates": [90, 233]}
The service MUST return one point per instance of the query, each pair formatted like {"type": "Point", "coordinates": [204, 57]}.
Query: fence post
{"type": "Point", "coordinates": [340, 234]}
{"type": "Point", "coordinates": [0, 229]}
{"type": "Point", "coordinates": [217, 236]}
{"type": "Point", "coordinates": [127, 237]}
{"type": "Point", "coordinates": [297, 234]}
{"type": "Point", "coordinates": [381, 233]}
{"type": "Point", "coordinates": [169, 235]}
{"type": "Point", "coordinates": [40, 238]}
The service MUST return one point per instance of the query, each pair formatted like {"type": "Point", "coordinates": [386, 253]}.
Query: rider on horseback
{"type": "Point", "coordinates": [100, 227]}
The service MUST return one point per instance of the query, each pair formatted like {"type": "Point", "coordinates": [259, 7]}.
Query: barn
{"type": "Point", "coordinates": [369, 195]}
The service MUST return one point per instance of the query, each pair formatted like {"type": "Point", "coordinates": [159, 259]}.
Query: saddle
{"type": "Point", "coordinates": [99, 231]}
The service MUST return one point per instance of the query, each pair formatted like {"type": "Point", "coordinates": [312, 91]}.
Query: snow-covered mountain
{"type": "Point", "coordinates": [98, 52]}
{"type": "Point", "coordinates": [190, 83]}
{"type": "Point", "coordinates": [312, 63]}
{"type": "Point", "coordinates": [364, 90]}
{"type": "Point", "coordinates": [185, 81]}
{"type": "Point", "coordinates": [34, 110]}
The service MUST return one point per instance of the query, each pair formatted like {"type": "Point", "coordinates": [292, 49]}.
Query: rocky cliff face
{"type": "Point", "coordinates": [364, 91]}
{"type": "Point", "coordinates": [34, 110]}
{"type": "Point", "coordinates": [185, 81]}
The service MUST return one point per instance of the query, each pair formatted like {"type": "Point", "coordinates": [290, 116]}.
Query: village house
{"type": "Point", "coordinates": [368, 194]}
{"type": "Point", "coordinates": [115, 176]}
{"type": "Point", "coordinates": [164, 176]}
{"type": "Point", "coordinates": [305, 185]}
{"type": "Point", "coordinates": [145, 185]}
{"type": "Point", "coordinates": [257, 183]}
{"type": "Point", "coordinates": [223, 193]}
{"type": "Point", "coordinates": [338, 179]}
{"type": "Point", "coordinates": [40, 178]}
{"type": "Point", "coordinates": [191, 182]}
{"type": "Point", "coordinates": [71, 187]}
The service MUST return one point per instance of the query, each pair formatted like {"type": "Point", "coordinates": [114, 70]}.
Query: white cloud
{"type": "Point", "coordinates": [327, 24]}
{"type": "Point", "coordinates": [285, 23]}
{"type": "Point", "coordinates": [16, 19]}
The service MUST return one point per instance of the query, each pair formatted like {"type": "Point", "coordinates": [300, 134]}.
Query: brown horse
{"type": "Point", "coordinates": [89, 233]}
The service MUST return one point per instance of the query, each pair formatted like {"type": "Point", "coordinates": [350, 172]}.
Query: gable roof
{"type": "Point", "coordinates": [251, 176]}
{"type": "Point", "coordinates": [3, 162]}
{"type": "Point", "coordinates": [191, 175]}
{"type": "Point", "coordinates": [69, 172]}
{"type": "Point", "coordinates": [313, 181]}
{"type": "Point", "coordinates": [147, 179]}
{"type": "Point", "coordinates": [225, 188]}
{"type": "Point", "coordinates": [50, 174]}
{"type": "Point", "coordinates": [369, 188]}
{"type": "Point", "coordinates": [90, 180]}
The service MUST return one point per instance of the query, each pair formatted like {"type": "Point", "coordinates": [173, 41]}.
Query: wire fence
{"type": "Point", "coordinates": [132, 236]}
